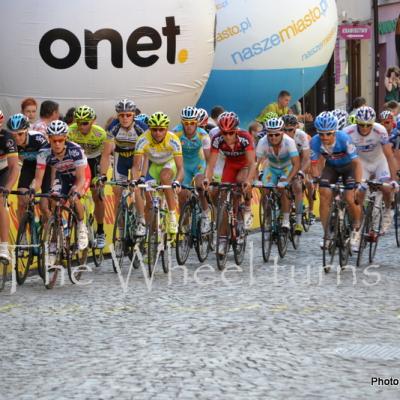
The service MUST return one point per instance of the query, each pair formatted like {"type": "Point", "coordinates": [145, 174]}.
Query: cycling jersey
{"type": "Point", "coordinates": [243, 144]}
{"type": "Point", "coordinates": [159, 153]}
{"type": "Point", "coordinates": [74, 157]}
{"type": "Point", "coordinates": [125, 140]}
{"type": "Point", "coordinates": [341, 153]}
{"type": "Point", "coordinates": [192, 149]}
{"type": "Point", "coordinates": [34, 142]}
{"type": "Point", "coordinates": [92, 143]}
{"type": "Point", "coordinates": [39, 126]}
{"type": "Point", "coordinates": [8, 148]}
{"type": "Point", "coordinates": [394, 138]}
{"type": "Point", "coordinates": [287, 150]}
{"type": "Point", "coordinates": [369, 147]}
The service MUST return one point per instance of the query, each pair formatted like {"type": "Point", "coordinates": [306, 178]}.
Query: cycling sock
{"type": "Point", "coordinates": [299, 217]}
{"type": "Point", "coordinates": [100, 229]}
{"type": "Point", "coordinates": [286, 216]}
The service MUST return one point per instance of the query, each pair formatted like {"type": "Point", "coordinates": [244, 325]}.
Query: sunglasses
{"type": "Point", "coordinates": [230, 133]}
{"type": "Point", "coordinates": [19, 133]}
{"type": "Point", "coordinates": [326, 133]}
{"type": "Point", "coordinates": [289, 129]}
{"type": "Point", "coordinates": [274, 134]}
{"type": "Point", "coordinates": [189, 123]}
{"type": "Point", "coordinates": [158, 129]}
{"type": "Point", "coordinates": [61, 140]}
{"type": "Point", "coordinates": [83, 123]}
{"type": "Point", "coordinates": [365, 125]}
{"type": "Point", "coordinates": [125, 115]}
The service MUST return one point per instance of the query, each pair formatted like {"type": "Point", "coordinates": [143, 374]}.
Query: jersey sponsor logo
{"type": "Point", "coordinates": [74, 153]}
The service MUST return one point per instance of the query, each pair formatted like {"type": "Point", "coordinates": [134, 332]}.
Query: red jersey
{"type": "Point", "coordinates": [244, 143]}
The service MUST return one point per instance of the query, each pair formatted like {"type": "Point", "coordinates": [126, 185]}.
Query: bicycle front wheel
{"type": "Point", "coordinates": [184, 237]}
{"type": "Point", "coordinates": [153, 242]}
{"type": "Point", "coordinates": [203, 244]}
{"type": "Point", "coordinates": [119, 238]}
{"type": "Point", "coordinates": [3, 274]}
{"type": "Point", "coordinates": [24, 254]}
{"type": "Point", "coordinates": [239, 244]}
{"type": "Point", "coordinates": [223, 236]}
{"type": "Point", "coordinates": [397, 218]}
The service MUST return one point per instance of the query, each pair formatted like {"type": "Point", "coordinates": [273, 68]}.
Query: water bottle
{"type": "Point", "coordinates": [65, 226]}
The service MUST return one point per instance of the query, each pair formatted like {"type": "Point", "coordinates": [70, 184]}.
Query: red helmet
{"type": "Point", "coordinates": [1, 117]}
{"type": "Point", "coordinates": [228, 121]}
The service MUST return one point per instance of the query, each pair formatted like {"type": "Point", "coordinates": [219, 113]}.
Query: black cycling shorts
{"type": "Point", "coordinates": [330, 175]}
{"type": "Point", "coordinates": [27, 175]}
{"type": "Point", "coordinates": [3, 177]}
{"type": "Point", "coordinates": [94, 165]}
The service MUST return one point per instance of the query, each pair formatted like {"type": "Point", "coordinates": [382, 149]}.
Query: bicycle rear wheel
{"type": "Point", "coordinates": [344, 245]}
{"type": "Point", "coordinates": [373, 245]}
{"type": "Point", "coordinates": [239, 244]}
{"type": "Point", "coordinates": [184, 238]}
{"type": "Point", "coordinates": [365, 233]}
{"type": "Point", "coordinates": [120, 233]}
{"type": "Point", "coordinates": [97, 254]}
{"type": "Point", "coordinates": [53, 252]}
{"type": "Point", "coordinates": [397, 218]}
{"type": "Point", "coordinates": [223, 236]}
{"type": "Point", "coordinates": [330, 240]}
{"type": "Point", "coordinates": [153, 242]}
{"type": "Point", "coordinates": [283, 236]}
{"type": "Point", "coordinates": [76, 258]}
{"type": "Point", "coordinates": [3, 274]}
{"type": "Point", "coordinates": [203, 244]}
{"type": "Point", "coordinates": [24, 255]}
{"type": "Point", "coordinates": [305, 219]}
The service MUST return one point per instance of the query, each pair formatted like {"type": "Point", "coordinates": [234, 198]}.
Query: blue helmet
{"type": "Point", "coordinates": [142, 118]}
{"type": "Point", "coordinates": [274, 124]}
{"type": "Point", "coordinates": [365, 115]}
{"type": "Point", "coordinates": [189, 113]}
{"type": "Point", "coordinates": [398, 122]}
{"type": "Point", "coordinates": [326, 121]}
{"type": "Point", "coordinates": [17, 122]}
{"type": "Point", "coordinates": [342, 117]}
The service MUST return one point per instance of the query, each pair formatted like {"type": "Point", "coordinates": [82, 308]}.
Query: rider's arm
{"type": "Point", "coordinates": [105, 157]}
{"type": "Point", "coordinates": [138, 167]}
{"type": "Point", "coordinates": [13, 170]}
{"type": "Point", "coordinates": [80, 180]}
{"type": "Point", "coordinates": [305, 160]}
{"type": "Point", "coordinates": [211, 165]}
{"type": "Point", "coordinates": [387, 150]}
{"type": "Point", "coordinates": [179, 168]}
{"type": "Point", "coordinates": [356, 162]}
{"type": "Point", "coordinates": [296, 167]}
{"type": "Point", "coordinates": [206, 146]}
{"type": "Point", "coordinates": [251, 159]}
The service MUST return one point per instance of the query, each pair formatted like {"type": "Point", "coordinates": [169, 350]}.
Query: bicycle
{"type": "Point", "coordinates": [28, 239]}
{"type": "Point", "coordinates": [230, 228]}
{"type": "Point", "coordinates": [396, 206]}
{"type": "Point", "coordinates": [338, 231]}
{"type": "Point", "coordinates": [372, 221]}
{"type": "Point", "coordinates": [124, 237]}
{"type": "Point", "coordinates": [189, 229]}
{"type": "Point", "coordinates": [158, 239]}
{"type": "Point", "coordinates": [307, 221]}
{"type": "Point", "coordinates": [60, 243]}
{"type": "Point", "coordinates": [271, 222]}
{"type": "Point", "coordinates": [293, 236]}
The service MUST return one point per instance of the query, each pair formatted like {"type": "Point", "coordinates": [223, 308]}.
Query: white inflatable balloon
{"type": "Point", "coordinates": [265, 46]}
{"type": "Point", "coordinates": [95, 52]}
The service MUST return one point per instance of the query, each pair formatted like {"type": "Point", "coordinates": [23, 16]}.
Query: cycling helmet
{"type": "Point", "coordinates": [290, 120]}
{"type": "Point", "coordinates": [352, 119]}
{"type": "Point", "coordinates": [274, 124]}
{"type": "Point", "coordinates": [84, 113]}
{"type": "Point", "coordinates": [268, 116]}
{"type": "Point", "coordinates": [142, 118]}
{"type": "Point", "coordinates": [17, 122]}
{"type": "Point", "coordinates": [202, 116]}
{"type": "Point", "coordinates": [158, 120]}
{"type": "Point", "coordinates": [386, 114]}
{"type": "Point", "coordinates": [189, 113]}
{"type": "Point", "coordinates": [365, 115]}
{"type": "Point", "coordinates": [57, 128]}
{"type": "Point", "coordinates": [1, 117]}
{"type": "Point", "coordinates": [398, 122]}
{"type": "Point", "coordinates": [125, 105]}
{"type": "Point", "coordinates": [228, 121]}
{"type": "Point", "coordinates": [326, 121]}
{"type": "Point", "coordinates": [342, 117]}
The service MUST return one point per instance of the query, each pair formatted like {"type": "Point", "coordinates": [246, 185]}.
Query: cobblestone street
{"type": "Point", "coordinates": [286, 331]}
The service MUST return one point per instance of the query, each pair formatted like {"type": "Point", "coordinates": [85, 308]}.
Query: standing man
{"type": "Point", "coordinates": [281, 107]}
{"type": "Point", "coordinates": [48, 112]}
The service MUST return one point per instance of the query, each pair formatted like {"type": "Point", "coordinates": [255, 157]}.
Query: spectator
{"type": "Point", "coordinates": [392, 106]}
{"type": "Point", "coordinates": [254, 129]}
{"type": "Point", "coordinates": [69, 116]}
{"type": "Point", "coordinates": [48, 113]}
{"type": "Point", "coordinates": [281, 107]}
{"type": "Point", "coordinates": [215, 113]}
{"type": "Point", "coordinates": [392, 84]}
{"type": "Point", "coordinates": [357, 103]}
{"type": "Point", "coordinates": [29, 109]}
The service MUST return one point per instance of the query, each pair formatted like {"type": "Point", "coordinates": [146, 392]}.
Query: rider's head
{"type": "Point", "coordinates": [365, 118]}
{"type": "Point", "coordinates": [189, 119]}
{"type": "Point", "coordinates": [158, 124]}
{"type": "Point", "coordinates": [84, 117]}
{"type": "Point", "coordinates": [202, 117]}
{"type": "Point", "coordinates": [126, 110]}
{"type": "Point", "coordinates": [291, 124]}
{"type": "Point", "coordinates": [326, 125]}
{"type": "Point", "coordinates": [274, 127]}
{"type": "Point", "coordinates": [228, 123]}
{"type": "Point", "coordinates": [57, 132]}
{"type": "Point", "coordinates": [342, 117]}
{"type": "Point", "coordinates": [18, 125]}
{"type": "Point", "coordinates": [387, 120]}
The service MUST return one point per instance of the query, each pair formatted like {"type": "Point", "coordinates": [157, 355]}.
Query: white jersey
{"type": "Point", "coordinates": [369, 148]}
{"type": "Point", "coordinates": [287, 150]}
{"type": "Point", "coordinates": [301, 139]}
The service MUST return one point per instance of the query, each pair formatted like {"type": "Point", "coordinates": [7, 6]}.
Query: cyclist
{"type": "Point", "coordinates": [375, 152]}
{"type": "Point", "coordinates": [202, 119]}
{"type": "Point", "coordinates": [142, 119]}
{"type": "Point", "coordinates": [395, 141]}
{"type": "Point", "coordinates": [281, 153]}
{"type": "Point", "coordinates": [91, 138]}
{"type": "Point", "coordinates": [342, 117]}
{"type": "Point", "coordinates": [29, 144]}
{"type": "Point", "coordinates": [9, 171]}
{"type": "Point", "coordinates": [337, 148]}
{"type": "Point", "coordinates": [122, 136]}
{"type": "Point", "coordinates": [386, 119]}
{"type": "Point", "coordinates": [291, 128]}
{"type": "Point", "coordinates": [266, 117]}
{"type": "Point", "coordinates": [164, 150]}
{"type": "Point", "coordinates": [196, 145]}
{"type": "Point", "coordinates": [238, 148]}
{"type": "Point", "coordinates": [72, 173]}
